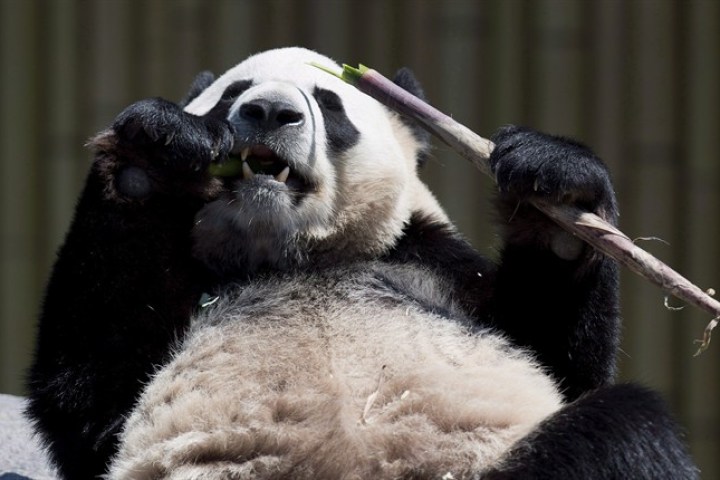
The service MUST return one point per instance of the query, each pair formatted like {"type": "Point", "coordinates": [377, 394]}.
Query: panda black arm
{"type": "Point", "coordinates": [553, 293]}
{"type": "Point", "coordinates": [124, 283]}
{"type": "Point", "coordinates": [105, 323]}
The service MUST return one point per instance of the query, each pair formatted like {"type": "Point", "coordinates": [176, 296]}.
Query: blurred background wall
{"type": "Point", "coordinates": [637, 80]}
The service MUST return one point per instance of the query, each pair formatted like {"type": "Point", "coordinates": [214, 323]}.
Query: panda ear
{"type": "Point", "coordinates": [405, 79]}
{"type": "Point", "coordinates": [202, 81]}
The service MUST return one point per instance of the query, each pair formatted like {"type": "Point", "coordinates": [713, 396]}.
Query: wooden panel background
{"type": "Point", "coordinates": [638, 80]}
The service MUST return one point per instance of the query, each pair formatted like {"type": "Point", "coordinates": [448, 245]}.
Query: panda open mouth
{"type": "Point", "coordinates": [261, 163]}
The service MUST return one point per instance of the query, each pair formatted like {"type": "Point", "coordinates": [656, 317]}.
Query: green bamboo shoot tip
{"type": "Point", "coordinates": [351, 74]}
{"type": "Point", "coordinates": [328, 70]}
{"type": "Point", "coordinates": [348, 74]}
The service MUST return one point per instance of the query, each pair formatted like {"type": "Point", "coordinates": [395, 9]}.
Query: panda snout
{"type": "Point", "coordinates": [268, 115]}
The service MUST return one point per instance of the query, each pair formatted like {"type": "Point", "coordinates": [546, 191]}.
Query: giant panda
{"type": "Point", "coordinates": [316, 315]}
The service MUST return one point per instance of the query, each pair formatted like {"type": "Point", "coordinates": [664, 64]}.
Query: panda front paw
{"type": "Point", "coordinates": [530, 165]}
{"type": "Point", "coordinates": [157, 147]}
{"type": "Point", "coordinates": [178, 140]}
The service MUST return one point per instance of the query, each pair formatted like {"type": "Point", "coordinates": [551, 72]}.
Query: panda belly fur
{"type": "Point", "coordinates": [352, 373]}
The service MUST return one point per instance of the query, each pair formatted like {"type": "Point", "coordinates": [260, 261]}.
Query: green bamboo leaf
{"type": "Point", "coordinates": [232, 167]}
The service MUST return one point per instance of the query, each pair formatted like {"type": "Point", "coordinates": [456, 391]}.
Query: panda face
{"type": "Point", "coordinates": [275, 125]}
{"type": "Point", "coordinates": [325, 168]}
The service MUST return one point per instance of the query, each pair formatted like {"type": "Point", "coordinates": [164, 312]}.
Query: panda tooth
{"type": "Point", "coordinates": [283, 176]}
{"type": "Point", "coordinates": [244, 153]}
{"type": "Point", "coordinates": [247, 171]}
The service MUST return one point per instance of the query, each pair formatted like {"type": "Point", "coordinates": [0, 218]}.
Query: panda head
{"type": "Point", "coordinates": [328, 173]}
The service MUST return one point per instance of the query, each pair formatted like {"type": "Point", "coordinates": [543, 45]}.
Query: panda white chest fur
{"type": "Point", "coordinates": [328, 362]}
{"type": "Point", "coordinates": [361, 372]}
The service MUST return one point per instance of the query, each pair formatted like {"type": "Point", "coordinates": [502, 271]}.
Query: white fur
{"type": "Point", "coordinates": [280, 385]}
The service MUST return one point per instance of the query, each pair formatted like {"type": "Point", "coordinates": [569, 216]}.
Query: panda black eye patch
{"type": "Point", "coordinates": [341, 133]}
{"type": "Point", "coordinates": [235, 89]}
{"type": "Point", "coordinates": [222, 107]}
{"type": "Point", "coordinates": [329, 100]}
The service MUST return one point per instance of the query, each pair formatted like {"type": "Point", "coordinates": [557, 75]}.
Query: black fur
{"type": "Point", "coordinates": [341, 133]}
{"type": "Point", "coordinates": [170, 141]}
{"type": "Point", "coordinates": [530, 165]}
{"type": "Point", "coordinates": [125, 285]}
{"type": "Point", "coordinates": [202, 81]}
{"type": "Point", "coordinates": [234, 90]}
{"type": "Point", "coordinates": [618, 432]}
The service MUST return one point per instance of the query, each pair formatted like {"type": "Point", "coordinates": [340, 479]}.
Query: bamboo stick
{"type": "Point", "coordinates": [600, 234]}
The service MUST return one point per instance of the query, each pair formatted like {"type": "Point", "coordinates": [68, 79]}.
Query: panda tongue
{"type": "Point", "coordinates": [261, 151]}
{"type": "Point", "coordinates": [264, 154]}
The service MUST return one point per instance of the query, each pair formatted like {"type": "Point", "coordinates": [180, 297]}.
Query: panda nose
{"type": "Point", "coordinates": [271, 115]}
